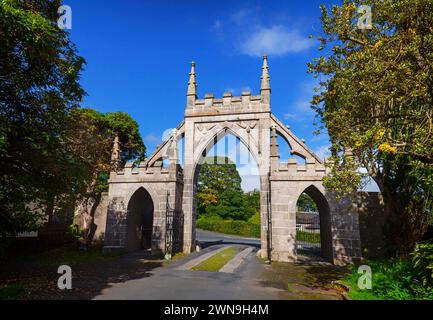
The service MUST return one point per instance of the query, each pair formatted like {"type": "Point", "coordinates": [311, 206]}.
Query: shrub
{"type": "Point", "coordinates": [237, 227]}
{"type": "Point", "coordinates": [255, 219]}
{"type": "Point", "coordinates": [422, 259]}
{"type": "Point", "coordinates": [73, 233]}
{"type": "Point", "coordinates": [398, 279]}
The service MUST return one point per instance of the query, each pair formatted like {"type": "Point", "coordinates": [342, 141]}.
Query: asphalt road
{"type": "Point", "coordinates": [169, 282]}
{"type": "Point", "coordinates": [208, 238]}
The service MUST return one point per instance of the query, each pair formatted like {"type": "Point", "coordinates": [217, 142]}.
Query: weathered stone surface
{"type": "Point", "coordinates": [249, 118]}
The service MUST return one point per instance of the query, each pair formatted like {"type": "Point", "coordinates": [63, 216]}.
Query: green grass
{"type": "Point", "coordinates": [391, 280]}
{"type": "Point", "coordinates": [217, 261]}
{"type": "Point", "coordinates": [308, 237]}
{"type": "Point", "coordinates": [57, 257]}
{"type": "Point", "coordinates": [176, 257]}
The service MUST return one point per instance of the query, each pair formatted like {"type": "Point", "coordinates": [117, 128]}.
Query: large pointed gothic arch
{"type": "Point", "coordinates": [249, 118]}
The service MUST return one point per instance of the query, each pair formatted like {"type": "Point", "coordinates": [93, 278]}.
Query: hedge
{"type": "Point", "coordinates": [236, 227]}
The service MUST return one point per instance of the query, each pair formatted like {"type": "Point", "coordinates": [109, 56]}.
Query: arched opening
{"type": "Point", "coordinates": [313, 224]}
{"type": "Point", "coordinates": [226, 191]}
{"type": "Point", "coordinates": [285, 151]}
{"type": "Point", "coordinates": [139, 221]}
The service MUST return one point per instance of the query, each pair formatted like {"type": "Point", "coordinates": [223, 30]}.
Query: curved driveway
{"type": "Point", "coordinates": [170, 282]}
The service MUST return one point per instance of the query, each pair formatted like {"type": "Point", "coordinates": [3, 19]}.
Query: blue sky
{"type": "Point", "coordinates": [138, 57]}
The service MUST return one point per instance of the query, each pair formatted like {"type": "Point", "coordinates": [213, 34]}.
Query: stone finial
{"type": "Point", "coordinates": [192, 84]}
{"type": "Point", "coordinates": [265, 84]}
{"type": "Point", "coordinates": [191, 94]}
{"type": "Point", "coordinates": [115, 153]}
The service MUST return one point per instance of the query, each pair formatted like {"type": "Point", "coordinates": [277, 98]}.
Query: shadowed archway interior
{"type": "Point", "coordinates": [324, 223]}
{"type": "Point", "coordinates": [140, 221]}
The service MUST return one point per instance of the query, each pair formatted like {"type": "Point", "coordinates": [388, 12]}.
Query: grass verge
{"type": "Point", "coordinates": [217, 261]}
{"type": "Point", "coordinates": [308, 236]}
{"type": "Point", "coordinates": [392, 279]}
{"type": "Point", "coordinates": [71, 257]}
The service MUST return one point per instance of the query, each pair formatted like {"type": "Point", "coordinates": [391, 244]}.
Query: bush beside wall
{"type": "Point", "coordinates": [236, 227]}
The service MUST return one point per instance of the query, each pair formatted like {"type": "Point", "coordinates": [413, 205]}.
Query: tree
{"type": "Point", "coordinates": [52, 152]}
{"type": "Point", "coordinates": [376, 100]}
{"type": "Point", "coordinates": [39, 73]}
{"type": "Point", "coordinates": [305, 203]}
{"type": "Point", "coordinates": [89, 139]}
{"type": "Point", "coordinates": [220, 193]}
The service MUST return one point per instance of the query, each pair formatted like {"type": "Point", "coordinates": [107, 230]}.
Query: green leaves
{"type": "Point", "coordinates": [376, 100]}
{"type": "Point", "coordinates": [219, 191]}
{"type": "Point", "coordinates": [52, 152]}
{"type": "Point", "coordinates": [422, 259]}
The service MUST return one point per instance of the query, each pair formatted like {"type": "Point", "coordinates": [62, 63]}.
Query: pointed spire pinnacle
{"type": "Point", "coordinates": [115, 154]}
{"type": "Point", "coordinates": [192, 84]}
{"type": "Point", "coordinates": [265, 84]}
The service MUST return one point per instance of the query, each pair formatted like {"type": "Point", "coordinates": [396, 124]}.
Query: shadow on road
{"type": "Point", "coordinates": [206, 244]}
{"type": "Point", "coordinates": [88, 278]}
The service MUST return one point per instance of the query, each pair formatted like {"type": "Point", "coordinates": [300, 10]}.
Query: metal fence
{"type": "Point", "coordinates": [173, 231]}
{"type": "Point", "coordinates": [308, 232]}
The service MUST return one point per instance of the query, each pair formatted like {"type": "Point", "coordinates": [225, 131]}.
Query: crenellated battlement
{"type": "Point", "coordinates": [141, 172]}
{"type": "Point", "coordinates": [228, 104]}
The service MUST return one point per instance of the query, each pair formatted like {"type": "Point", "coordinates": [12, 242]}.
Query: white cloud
{"type": "Point", "coordinates": [152, 138]}
{"type": "Point", "coordinates": [167, 134]}
{"type": "Point", "coordinates": [290, 116]}
{"type": "Point", "coordinates": [275, 40]}
{"type": "Point", "coordinates": [217, 24]}
{"type": "Point", "coordinates": [300, 107]}
{"type": "Point", "coordinates": [323, 151]}
{"type": "Point", "coordinates": [249, 183]}
{"type": "Point", "coordinates": [237, 91]}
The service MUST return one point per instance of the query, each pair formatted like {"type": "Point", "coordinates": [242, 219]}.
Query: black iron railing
{"type": "Point", "coordinates": [308, 231]}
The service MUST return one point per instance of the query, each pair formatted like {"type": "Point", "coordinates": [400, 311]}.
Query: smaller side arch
{"type": "Point", "coordinates": [149, 189]}
{"type": "Point", "coordinates": [156, 240]}
{"type": "Point", "coordinates": [321, 201]}
{"type": "Point", "coordinates": [139, 221]}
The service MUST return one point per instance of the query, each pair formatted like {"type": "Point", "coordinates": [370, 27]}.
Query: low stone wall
{"type": "Point", "coordinates": [100, 217]}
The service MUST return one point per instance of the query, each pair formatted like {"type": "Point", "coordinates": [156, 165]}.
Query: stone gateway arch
{"type": "Point", "coordinates": [167, 189]}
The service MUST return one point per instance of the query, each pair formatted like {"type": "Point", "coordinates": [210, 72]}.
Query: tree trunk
{"type": "Point", "coordinates": [50, 210]}
{"type": "Point", "coordinates": [405, 224]}
{"type": "Point", "coordinates": [93, 226]}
